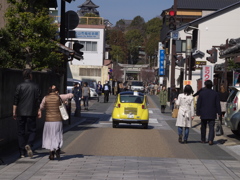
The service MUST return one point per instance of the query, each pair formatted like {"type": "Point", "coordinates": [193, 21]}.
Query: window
{"type": "Point", "coordinates": [89, 45]}
{"type": "Point", "coordinates": [90, 72]}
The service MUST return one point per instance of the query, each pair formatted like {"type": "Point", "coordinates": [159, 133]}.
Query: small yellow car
{"type": "Point", "coordinates": [130, 107]}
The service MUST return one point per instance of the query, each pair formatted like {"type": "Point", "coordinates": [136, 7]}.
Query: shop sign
{"type": "Point", "coordinates": [207, 74]}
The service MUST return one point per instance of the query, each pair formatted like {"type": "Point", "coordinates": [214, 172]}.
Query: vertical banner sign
{"type": "Point", "coordinates": [235, 78]}
{"type": "Point", "coordinates": [161, 62]}
{"type": "Point", "coordinates": [207, 74]}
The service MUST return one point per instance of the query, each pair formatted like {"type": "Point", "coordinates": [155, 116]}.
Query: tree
{"type": "Point", "coordinates": [147, 75]}
{"type": "Point", "coordinates": [134, 41]}
{"type": "Point", "coordinates": [116, 39]}
{"type": "Point", "coordinates": [137, 23]}
{"type": "Point", "coordinates": [117, 72]}
{"type": "Point", "coordinates": [26, 38]}
{"type": "Point", "coordinates": [121, 25]}
{"type": "Point", "coordinates": [90, 18]}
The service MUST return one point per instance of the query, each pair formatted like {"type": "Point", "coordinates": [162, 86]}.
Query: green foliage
{"type": "Point", "coordinates": [139, 35]}
{"type": "Point", "coordinates": [153, 26]}
{"type": "Point", "coordinates": [134, 41]}
{"type": "Point", "coordinates": [26, 38]}
{"type": "Point", "coordinates": [231, 65]}
{"type": "Point", "coordinates": [90, 18]}
{"type": "Point", "coordinates": [117, 40]}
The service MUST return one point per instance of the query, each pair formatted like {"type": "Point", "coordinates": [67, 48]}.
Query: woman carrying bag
{"type": "Point", "coordinates": [53, 131]}
{"type": "Point", "coordinates": [185, 113]}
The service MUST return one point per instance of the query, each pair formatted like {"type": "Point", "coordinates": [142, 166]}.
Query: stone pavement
{"type": "Point", "coordinates": [78, 166]}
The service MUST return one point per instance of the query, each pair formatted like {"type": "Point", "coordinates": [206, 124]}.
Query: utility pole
{"type": "Point", "coordinates": [173, 51]}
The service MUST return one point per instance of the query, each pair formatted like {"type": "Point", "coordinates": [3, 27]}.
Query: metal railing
{"type": "Point", "coordinates": [83, 20]}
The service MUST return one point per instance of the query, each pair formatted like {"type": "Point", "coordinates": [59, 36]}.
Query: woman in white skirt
{"type": "Point", "coordinates": [53, 131]}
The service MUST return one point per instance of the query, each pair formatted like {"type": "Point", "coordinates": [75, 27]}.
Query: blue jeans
{"type": "Point", "coordinates": [180, 132]}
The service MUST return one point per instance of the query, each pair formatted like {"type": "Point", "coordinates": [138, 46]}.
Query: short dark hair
{"type": "Point", "coordinates": [188, 90]}
{"type": "Point", "coordinates": [27, 74]}
{"type": "Point", "coordinates": [208, 84]}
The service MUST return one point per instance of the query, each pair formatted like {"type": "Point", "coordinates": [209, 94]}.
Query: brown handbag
{"type": "Point", "coordinates": [175, 111]}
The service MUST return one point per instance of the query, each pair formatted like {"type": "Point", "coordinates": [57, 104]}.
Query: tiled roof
{"type": "Point", "coordinates": [88, 3]}
{"type": "Point", "coordinates": [204, 4]}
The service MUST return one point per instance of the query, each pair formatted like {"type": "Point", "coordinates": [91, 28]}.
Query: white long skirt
{"type": "Point", "coordinates": [52, 135]}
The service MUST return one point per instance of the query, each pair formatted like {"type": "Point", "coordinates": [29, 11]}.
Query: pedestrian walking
{"type": "Point", "coordinates": [99, 90]}
{"type": "Point", "coordinates": [120, 87]}
{"type": "Point", "coordinates": [25, 110]}
{"type": "Point", "coordinates": [223, 96]}
{"type": "Point", "coordinates": [163, 96]}
{"type": "Point", "coordinates": [185, 113]}
{"type": "Point", "coordinates": [173, 97]}
{"type": "Point", "coordinates": [106, 90]}
{"type": "Point", "coordinates": [155, 88]}
{"type": "Point", "coordinates": [85, 95]}
{"type": "Point", "coordinates": [208, 106]}
{"type": "Point", "coordinates": [52, 138]}
{"type": "Point", "coordinates": [77, 96]}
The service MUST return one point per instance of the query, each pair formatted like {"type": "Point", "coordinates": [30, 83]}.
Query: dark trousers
{"type": "Point", "coordinates": [211, 124]}
{"type": "Point", "coordinates": [85, 101]}
{"type": "Point", "coordinates": [28, 122]}
{"type": "Point", "coordinates": [78, 107]}
{"type": "Point", "coordinates": [106, 96]}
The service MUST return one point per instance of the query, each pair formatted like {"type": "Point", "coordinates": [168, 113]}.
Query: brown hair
{"type": "Point", "coordinates": [222, 88]}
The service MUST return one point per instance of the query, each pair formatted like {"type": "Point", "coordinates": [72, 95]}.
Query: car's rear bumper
{"type": "Point", "coordinates": [140, 121]}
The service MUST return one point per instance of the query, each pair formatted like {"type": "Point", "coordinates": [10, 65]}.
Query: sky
{"type": "Point", "coordinates": [114, 10]}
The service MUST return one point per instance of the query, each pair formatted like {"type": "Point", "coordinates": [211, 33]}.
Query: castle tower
{"type": "Point", "coordinates": [87, 7]}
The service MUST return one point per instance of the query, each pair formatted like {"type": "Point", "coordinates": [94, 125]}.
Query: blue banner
{"type": "Point", "coordinates": [161, 62]}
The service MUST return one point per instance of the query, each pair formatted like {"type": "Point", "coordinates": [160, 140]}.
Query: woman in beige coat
{"type": "Point", "coordinates": [185, 112]}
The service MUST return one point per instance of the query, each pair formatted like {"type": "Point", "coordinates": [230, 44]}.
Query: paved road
{"type": "Point", "coordinates": [92, 151]}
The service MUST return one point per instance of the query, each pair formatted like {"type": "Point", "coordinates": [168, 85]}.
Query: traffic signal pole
{"type": "Point", "coordinates": [173, 51]}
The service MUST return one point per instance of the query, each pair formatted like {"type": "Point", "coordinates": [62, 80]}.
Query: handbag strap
{"type": "Point", "coordinates": [60, 99]}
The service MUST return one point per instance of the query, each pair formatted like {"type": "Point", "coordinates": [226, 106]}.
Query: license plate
{"type": "Point", "coordinates": [130, 115]}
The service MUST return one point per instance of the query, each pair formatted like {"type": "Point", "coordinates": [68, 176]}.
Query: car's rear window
{"type": "Point", "coordinates": [131, 99]}
{"type": "Point", "coordinates": [232, 95]}
{"type": "Point", "coordinates": [137, 83]}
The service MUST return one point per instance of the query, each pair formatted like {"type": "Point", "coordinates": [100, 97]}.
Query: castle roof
{"type": "Point", "coordinates": [88, 3]}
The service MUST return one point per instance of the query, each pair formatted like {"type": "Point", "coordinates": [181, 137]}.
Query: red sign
{"type": "Point", "coordinates": [207, 74]}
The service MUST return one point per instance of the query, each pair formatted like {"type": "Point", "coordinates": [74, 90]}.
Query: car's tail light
{"type": "Point", "coordinates": [119, 105]}
{"type": "Point", "coordinates": [143, 107]}
{"type": "Point", "coordinates": [235, 106]}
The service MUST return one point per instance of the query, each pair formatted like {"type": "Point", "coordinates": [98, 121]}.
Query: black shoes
{"type": "Point", "coordinates": [51, 155]}
{"type": "Point", "coordinates": [210, 143]}
{"type": "Point", "coordinates": [58, 153]}
{"type": "Point", "coordinates": [180, 139]}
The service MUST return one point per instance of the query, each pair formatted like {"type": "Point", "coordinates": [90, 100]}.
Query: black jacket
{"type": "Point", "coordinates": [109, 88]}
{"type": "Point", "coordinates": [77, 93]}
{"type": "Point", "coordinates": [208, 104]}
{"type": "Point", "coordinates": [27, 98]}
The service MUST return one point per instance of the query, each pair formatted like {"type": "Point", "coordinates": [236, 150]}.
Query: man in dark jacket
{"type": "Point", "coordinates": [106, 90]}
{"type": "Point", "coordinates": [25, 111]}
{"type": "Point", "coordinates": [208, 106]}
{"type": "Point", "coordinates": [77, 94]}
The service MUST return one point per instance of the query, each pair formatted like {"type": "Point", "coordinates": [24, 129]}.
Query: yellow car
{"type": "Point", "coordinates": [130, 107]}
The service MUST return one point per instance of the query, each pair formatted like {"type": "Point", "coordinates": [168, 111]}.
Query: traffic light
{"type": "Point", "coordinates": [213, 55]}
{"type": "Point", "coordinates": [77, 48]}
{"type": "Point", "coordinates": [172, 20]}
